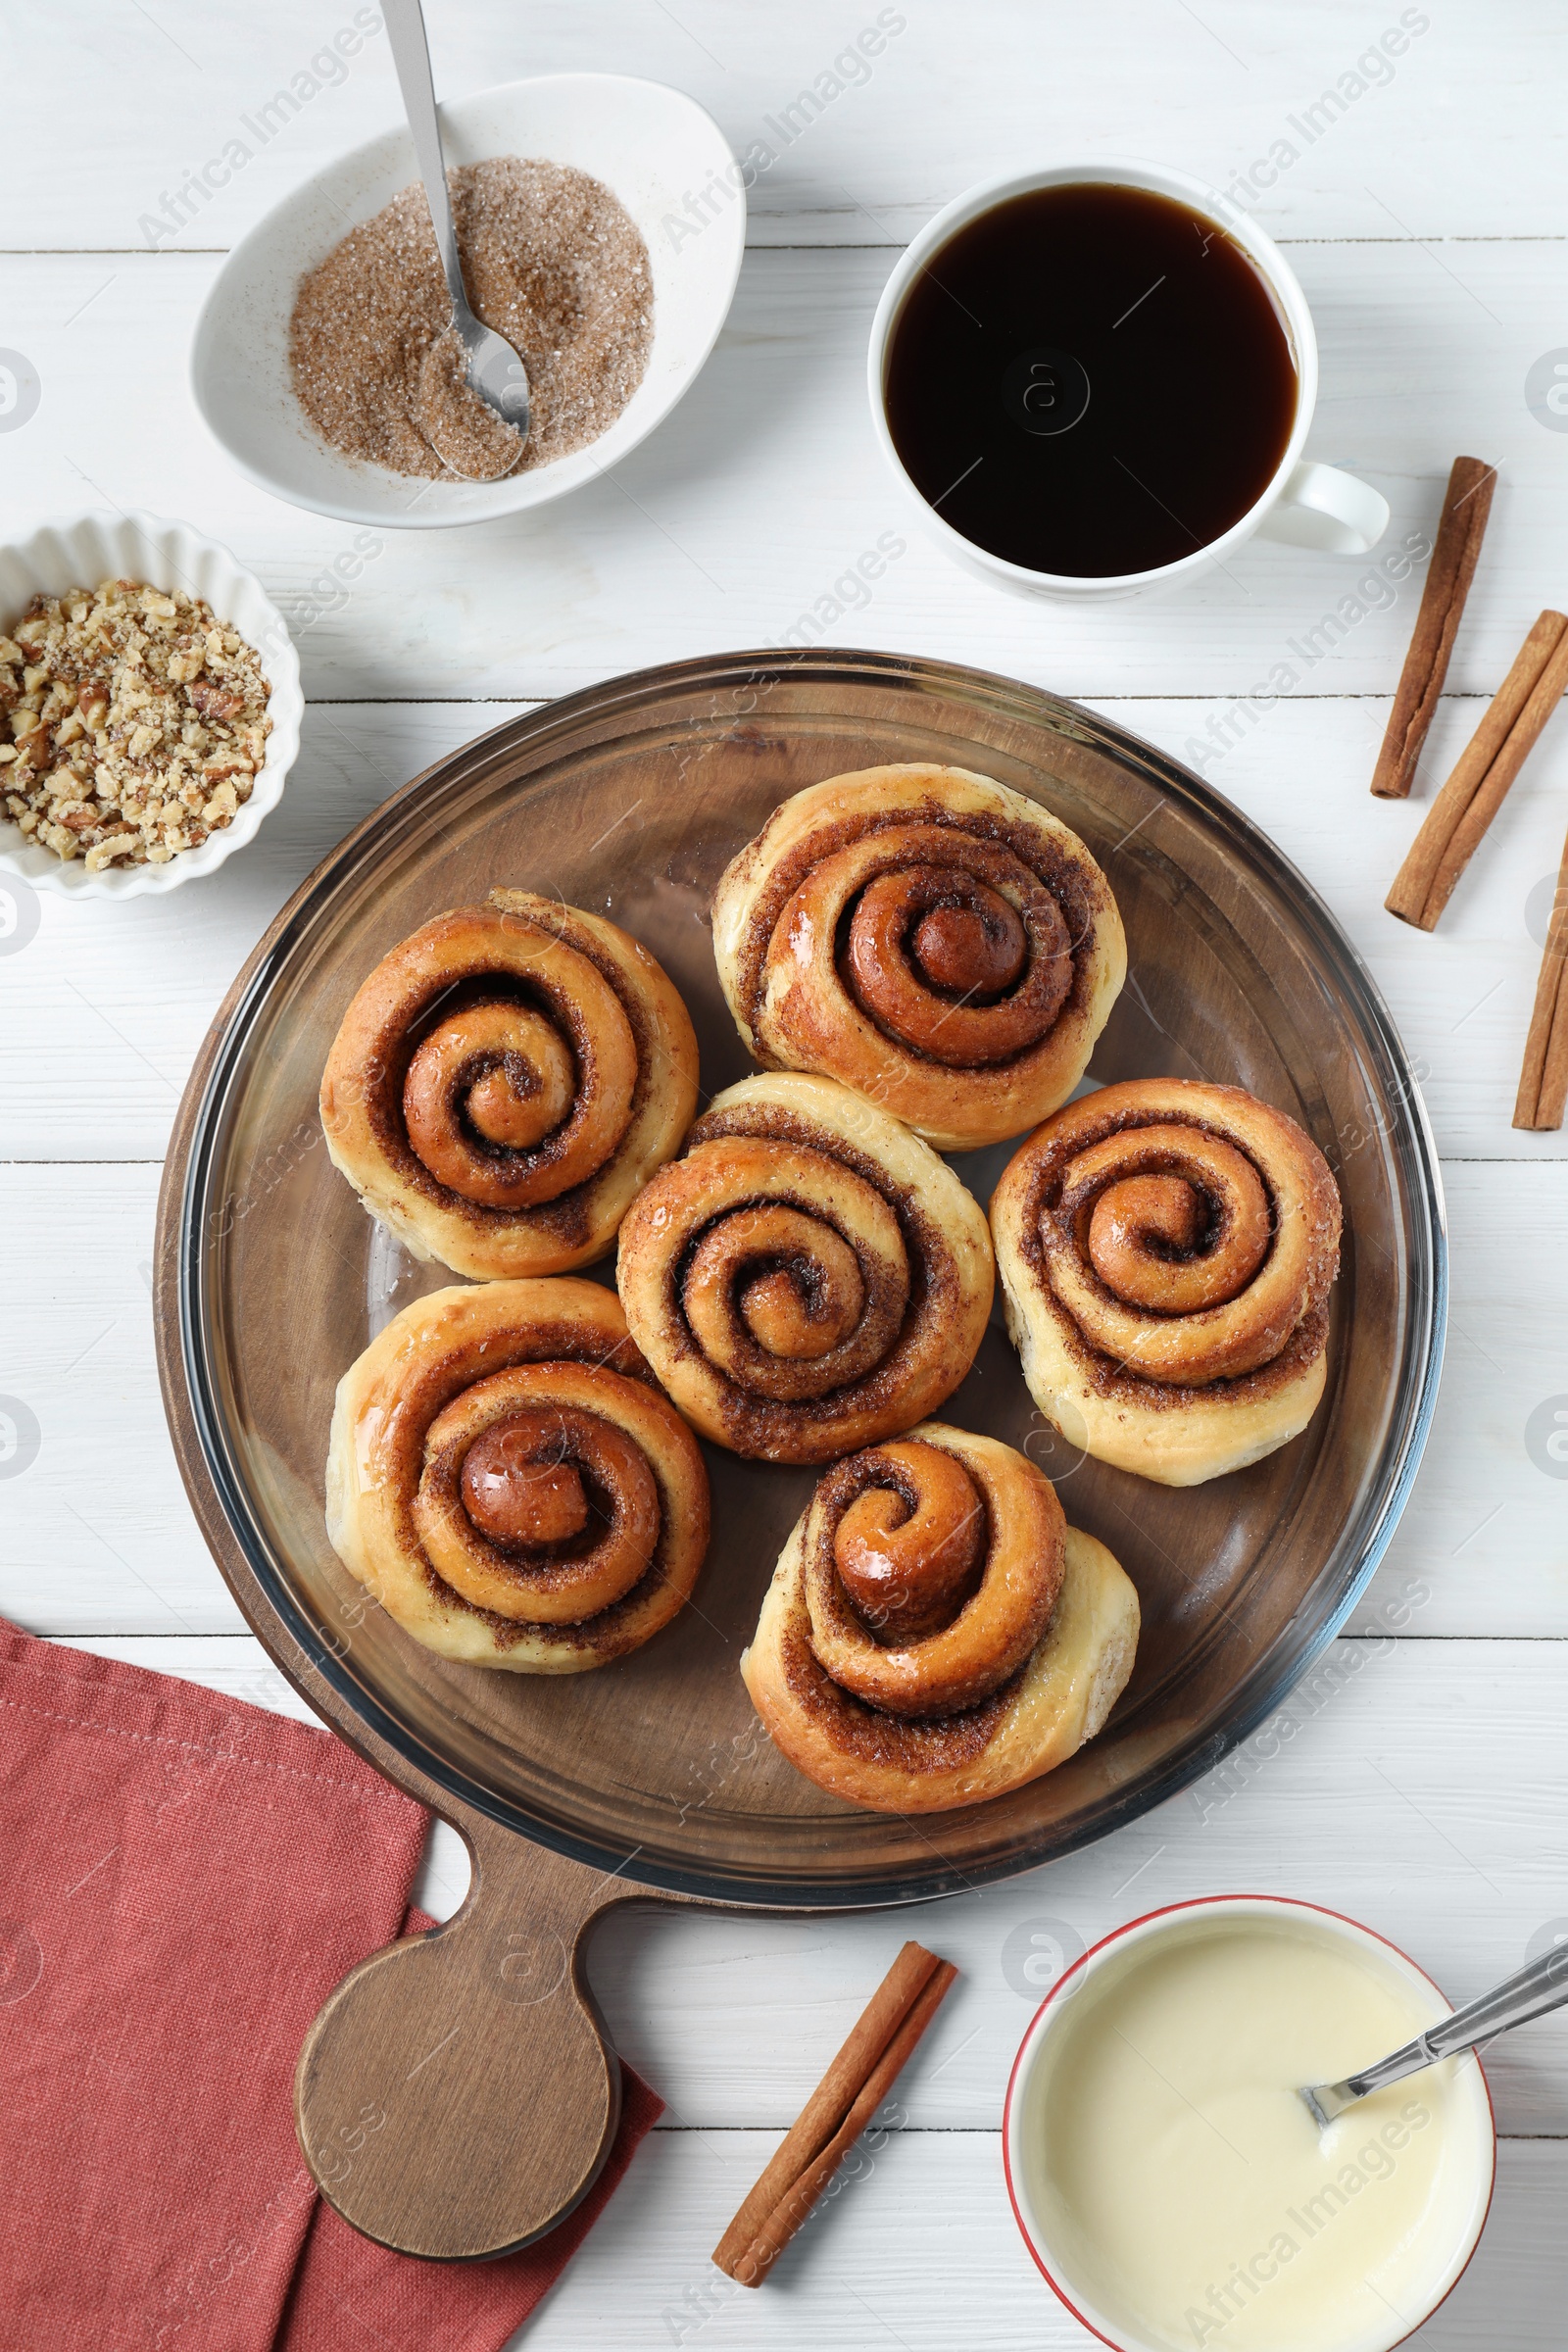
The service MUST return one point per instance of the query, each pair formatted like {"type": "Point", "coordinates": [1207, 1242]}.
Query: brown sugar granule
{"type": "Point", "coordinates": [552, 260]}
{"type": "Point", "coordinates": [462, 427]}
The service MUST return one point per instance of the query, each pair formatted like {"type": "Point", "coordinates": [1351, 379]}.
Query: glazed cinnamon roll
{"type": "Point", "coordinates": [935, 941]}
{"type": "Point", "coordinates": [935, 1634]}
{"type": "Point", "coordinates": [506, 1480]}
{"type": "Point", "coordinates": [504, 1081]}
{"type": "Point", "coordinates": [808, 1276]}
{"type": "Point", "coordinates": [1166, 1253]}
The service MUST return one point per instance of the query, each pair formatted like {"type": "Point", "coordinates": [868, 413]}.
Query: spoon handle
{"type": "Point", "coordinates": [411, 54]}
{"type": "Point", "coordinates": [1541, 1984]}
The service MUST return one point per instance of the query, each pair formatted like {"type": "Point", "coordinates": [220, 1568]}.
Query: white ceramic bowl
{"type": "Point", "coordinates": [79, 553]}
{"type": "Point", "coordinates": [653, 147]}
{"type": "Point", "coordinates": [1057, 2011]}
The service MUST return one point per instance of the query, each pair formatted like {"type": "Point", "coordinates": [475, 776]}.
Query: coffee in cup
{"type": "Point", "coordinates": [1091, 380]}
{"type": "Point", "coordinates": [1096, 379]}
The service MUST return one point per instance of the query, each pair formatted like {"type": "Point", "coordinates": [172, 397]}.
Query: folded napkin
{"type": "Point", "coordinates": [183, 1878]}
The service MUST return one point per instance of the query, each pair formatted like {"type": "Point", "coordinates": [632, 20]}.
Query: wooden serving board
{"type": "Point", "coordinates": [456, 2095]}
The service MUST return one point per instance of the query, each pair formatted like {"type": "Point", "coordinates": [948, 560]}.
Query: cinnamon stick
{"type": "Point", "coordinates": [1544, 1081]}
{"type": "Point", "coordinates": [835, 2115]}
{"type": "Point", "coordinates": [1466, 505]}
{"type": "Point", "coordinates": [1487, 766]}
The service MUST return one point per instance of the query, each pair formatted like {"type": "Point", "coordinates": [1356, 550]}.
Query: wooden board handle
{"type": "Point", "coordinates": [456, 2096]}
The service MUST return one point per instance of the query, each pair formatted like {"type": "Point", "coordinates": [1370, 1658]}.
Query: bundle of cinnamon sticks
{"type": "Point", "coordinates": [1468, 801]}
{"type": "Point", "coordinates": [836, 2114]}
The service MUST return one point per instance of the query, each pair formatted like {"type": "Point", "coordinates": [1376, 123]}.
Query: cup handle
{"type": "Point", "coordinates": [1321, 507]}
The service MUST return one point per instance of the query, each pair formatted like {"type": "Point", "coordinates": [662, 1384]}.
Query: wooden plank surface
{"type": "Point", "coordinates": [1484, 1536]}
{"type": "Point", "coordinates": [123, 993]}
{"type": "Point", "coordinates": [919, 2249]}
{"type": "Point", "coordinates": [1410, 1793]}
{"type": "Point", "coordinates": [1463, 136]}
{"type": "Point", "coordinates": [1418, 1780]}
{"type": "Point", "coordinates": [741, 514]}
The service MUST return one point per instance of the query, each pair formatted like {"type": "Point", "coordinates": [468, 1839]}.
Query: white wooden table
{"type": "Point", "coordinates": [1424, 1789]}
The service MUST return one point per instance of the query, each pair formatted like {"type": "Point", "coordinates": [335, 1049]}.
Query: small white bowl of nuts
{"type": "Point", "coordinates": [150, 706]}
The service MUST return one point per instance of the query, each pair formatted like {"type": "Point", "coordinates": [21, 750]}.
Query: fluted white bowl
{"type": "Point", "coordinates": [79, 553]}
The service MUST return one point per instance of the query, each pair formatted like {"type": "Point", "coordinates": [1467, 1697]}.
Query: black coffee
{"type": "Point", "coordinates": [1090, 381]}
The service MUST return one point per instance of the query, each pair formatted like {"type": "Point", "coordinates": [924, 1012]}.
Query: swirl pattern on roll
{"type": "Point", "coordinates": [935, 1634]}
{"type": "Point", "coordinates": [504, 1081]}
{"type": "Point", "coordinates": [934, 940]}
{"type": "Point", "coordinates": [808, 1276]}
{"type": "Point", "coordinates": [1167, 1250]}
{"type": "Point", "coordinates": [506, 1478]}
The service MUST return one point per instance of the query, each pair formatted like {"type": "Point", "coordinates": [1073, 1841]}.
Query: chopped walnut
{"type": "Point", "coordinates": [215, 702]}
{"type": "Point", "coordinates": [137, 723]}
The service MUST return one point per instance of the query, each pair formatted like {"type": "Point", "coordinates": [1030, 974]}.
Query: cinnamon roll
{"type": "Point", "coordinates": [808, 1276]}
{"type": "Point", "coordinates": [935, 941]}
{"type": "Point", "coordinates": [1166, 1253]}
{"type": "Point", "coordinates": [934, 1633]}
{"type": "Point", "coordinates": [506, 1480]}
{"type": "Point", "coordinates": [504, 1081]}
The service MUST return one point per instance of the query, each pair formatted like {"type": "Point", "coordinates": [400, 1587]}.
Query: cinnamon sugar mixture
{"type": "Point", "coordinates": [551, 260]}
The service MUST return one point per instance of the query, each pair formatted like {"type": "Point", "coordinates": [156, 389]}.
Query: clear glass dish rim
{"type": "Point", "coordinates": [1409, 1132]}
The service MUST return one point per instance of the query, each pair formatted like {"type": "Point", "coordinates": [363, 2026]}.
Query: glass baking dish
{"type": "Point", "coordinates": [630, 799]}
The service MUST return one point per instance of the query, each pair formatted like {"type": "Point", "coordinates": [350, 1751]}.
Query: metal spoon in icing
{"type": "Point", "coordinates": [1541, 1984]}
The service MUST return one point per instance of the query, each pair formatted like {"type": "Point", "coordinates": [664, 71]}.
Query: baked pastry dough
{"type": "Point", "coordinates": [808, 1276]}
{"type": "Point", "coordinates": [506, 1480]}
{"type": "Point", "coordinates": [939, 943]}
{"type": "Point", "coordinates": [934, 1633]}
{"type": "Point", "coordinates": [504, 1081]}
{"type": "Point", "coordinates": [1166, 1253]}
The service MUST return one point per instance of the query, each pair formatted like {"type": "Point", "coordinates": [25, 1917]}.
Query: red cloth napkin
{"type": "Point", "coordinates": [183, 1878]}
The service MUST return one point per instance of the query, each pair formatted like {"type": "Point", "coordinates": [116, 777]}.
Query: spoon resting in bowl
{"type": "Point", "coordinates": [472, 403]}
{"type": "Point", "coordinates": [1541, 1984]}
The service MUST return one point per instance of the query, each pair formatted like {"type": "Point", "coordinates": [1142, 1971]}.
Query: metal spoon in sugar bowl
{"type": "Point", "coordinates": [494, 370]}
{"type": "Point", "coordinates": [1541, 1984]}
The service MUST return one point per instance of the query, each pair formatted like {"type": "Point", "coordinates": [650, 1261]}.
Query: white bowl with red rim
{"type": "Point", "coordinates": [1055, 2012]}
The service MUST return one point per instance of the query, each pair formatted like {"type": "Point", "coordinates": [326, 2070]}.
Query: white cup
{"type": "Point", "coordinates": [1304, 504]}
